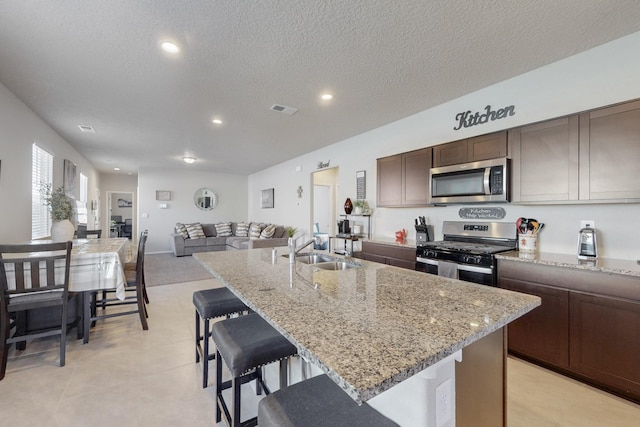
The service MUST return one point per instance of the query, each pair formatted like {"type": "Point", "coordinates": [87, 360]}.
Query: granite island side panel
{"type": "Point", "coordinates": [367, 328]}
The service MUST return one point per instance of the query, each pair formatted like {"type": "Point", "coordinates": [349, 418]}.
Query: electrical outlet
{"type": "Point", "coordinates": [444, 403]}
{"type": "Point", "coordinates": [587, 223]}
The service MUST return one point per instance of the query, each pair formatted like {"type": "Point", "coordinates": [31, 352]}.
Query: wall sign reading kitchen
{"type": "Point", "coordinates": [482, 213]}
{"type": "Point", "coordinates": [467, 119]}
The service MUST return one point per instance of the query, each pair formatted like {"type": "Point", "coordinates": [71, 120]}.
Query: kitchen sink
{"type": "Point", "coordinates": [312, 258]}
{"type": "Point", "coordinates": [337, 265]}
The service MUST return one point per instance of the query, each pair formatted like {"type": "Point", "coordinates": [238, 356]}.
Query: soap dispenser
{"type": "Point", "coordinates": [587, 245]}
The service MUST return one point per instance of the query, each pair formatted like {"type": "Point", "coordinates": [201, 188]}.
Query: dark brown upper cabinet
{"type": "Point", "coordinates": [610, 153]}
{"type": "Point", "coordinates": [544, 161]}
{"type": "Point", "coordinates": [403, 179]}
{"type": "Point", "coordinates": [590, 157]}
{"type": "Point", "coordinates": [483, 147]}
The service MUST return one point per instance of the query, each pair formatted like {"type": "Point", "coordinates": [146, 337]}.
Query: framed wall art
{"type": "Point", "coordinates": [267, 198]}
{"type": "Point", "coordinates": [163, 195]}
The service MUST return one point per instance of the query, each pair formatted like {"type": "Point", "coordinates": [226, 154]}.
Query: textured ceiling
{"type": "Point", "coordinates": [97, 63]}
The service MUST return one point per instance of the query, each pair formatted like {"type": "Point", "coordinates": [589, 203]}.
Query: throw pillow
{"type": "Point", "coordinates": [195, 231]}
{"type": "Point", "coordinates": [223, 229]}
{"type": "Point", "coordinates": [180, 228]}
{"type": "Point", "coordinates": [255, 230]}
{"type": "Point", "coordinates": [268, 231]}
{"type": "Point", "coordinates": [242, 229]}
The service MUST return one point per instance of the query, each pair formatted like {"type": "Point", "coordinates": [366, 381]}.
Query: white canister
{"type": "Point", "coordinates": [528, 242]}
{"type": "Point", "coordinates": [357, 229]}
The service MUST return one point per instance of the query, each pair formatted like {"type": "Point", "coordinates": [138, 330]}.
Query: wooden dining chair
{"type": "Point", "coordinates": [135, 292]}
{"type": "Point", "coordinates": [32, 282]}
{"type": "Point", "coordinates": [83, 233]}
{"type": "Point", "coordinates": [96, 233]}
{"type": "Point", "coordinates": [128, 267]}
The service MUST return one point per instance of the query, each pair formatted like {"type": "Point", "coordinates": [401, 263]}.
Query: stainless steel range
{"type": "Point", "coordinates": [467, 251]}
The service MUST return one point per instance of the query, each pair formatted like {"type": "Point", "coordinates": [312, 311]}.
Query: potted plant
{"type": "Point", "coordinates": [61, 212]}
{"type": "Point", "coordinates": [291, 231]}
{"type": "Point", "coordinates": [360, 206]}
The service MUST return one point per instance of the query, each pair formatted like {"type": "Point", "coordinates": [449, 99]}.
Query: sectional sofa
{"type": "Point", "coordinates": [224, 236]}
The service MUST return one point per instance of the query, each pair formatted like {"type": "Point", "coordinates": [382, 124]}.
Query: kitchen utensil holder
{"type": "Point", "coordinates": [528, 242]}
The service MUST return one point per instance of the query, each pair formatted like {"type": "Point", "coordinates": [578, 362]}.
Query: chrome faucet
{"type": "Point", "coordinates": [293, 250]}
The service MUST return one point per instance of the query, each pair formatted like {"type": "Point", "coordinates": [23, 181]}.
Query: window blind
{"type": "Point", "coordinates": [41, 172]}
{"type": "Point", "coordinates": [84, 185]}
{"type": "Point", "coordinates": [81, 205]}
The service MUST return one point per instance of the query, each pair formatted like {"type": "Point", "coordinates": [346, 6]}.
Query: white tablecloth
{"type": "Point", "coordinates": [96, 264]}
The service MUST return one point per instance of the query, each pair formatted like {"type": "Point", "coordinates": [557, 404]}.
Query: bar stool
{"type": "Point", "coordinates": [246, 344]}
{"type": "Point", "coordinates": [209, 304]}
{"type": "Point", "coordinates": [317, 402]}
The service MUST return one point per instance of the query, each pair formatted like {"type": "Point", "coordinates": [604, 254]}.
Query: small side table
{"type": "Point", "coordinates": [346, 238]}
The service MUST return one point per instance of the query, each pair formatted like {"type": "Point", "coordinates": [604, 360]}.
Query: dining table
{"type": "Point", "coordinates": [96, 264]}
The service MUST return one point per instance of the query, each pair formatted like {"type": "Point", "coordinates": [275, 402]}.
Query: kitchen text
{"type": "Point", "coordinates": [468, 119]}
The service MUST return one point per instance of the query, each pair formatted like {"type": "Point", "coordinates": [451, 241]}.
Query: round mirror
{"type": "Point", "coordinates": [205, 199]}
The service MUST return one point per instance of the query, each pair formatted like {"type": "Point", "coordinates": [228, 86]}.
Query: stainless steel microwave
{"type": "Point", "coordinates": [486, 181]}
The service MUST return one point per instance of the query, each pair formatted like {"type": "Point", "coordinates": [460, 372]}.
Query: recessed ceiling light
{"type": "Point", "coordinates": [216, 121]}
{"type": "Point", "coordinates": [170, 47]}
{"type": "Point", "coordinates": [326, 97]}
{"type": "Point", "coordinates": [116, 169]}
{"type": "Point", "coordinates": [189, 159]}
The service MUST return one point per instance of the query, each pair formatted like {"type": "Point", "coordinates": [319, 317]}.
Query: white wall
{"type": "Point", "coordinates": [232, 201]}
{"type": "Point", "coordinates": [19, 129]}
{"type": "Point", "coordinates": [602, 76]}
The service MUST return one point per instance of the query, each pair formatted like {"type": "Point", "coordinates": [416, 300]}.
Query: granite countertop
{"type": "Point", "coordinates": [602, 265]}
{"type": "Point", "coordinates": [368, 328]}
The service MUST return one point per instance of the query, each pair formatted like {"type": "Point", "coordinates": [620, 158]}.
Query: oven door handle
{"type": "Point", "coordinates": [427, 261]}
{"type": "Point", "coordinates": [461, 267]}
{"type": "Point", "coordinates": [474, 269]}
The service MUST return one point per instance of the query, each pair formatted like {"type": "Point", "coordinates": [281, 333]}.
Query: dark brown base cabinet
{"type": "Point", "coordinates": [389, 254]}
{"type": "Point", "coordinates": [588, 326]}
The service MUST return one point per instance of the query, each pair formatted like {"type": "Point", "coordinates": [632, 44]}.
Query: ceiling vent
{"type": "Point", "coordinates": [86, 129]}
{"type": "Point", "coordinates": [284, 109]}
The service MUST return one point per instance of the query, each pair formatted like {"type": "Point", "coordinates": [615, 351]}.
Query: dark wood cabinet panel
{"type": "Point", "coordinates": [415, 184]}
{"type": "Point", "coordinates": [451, 153]}
{"type": "Point", "coordinates": [483, 147]}
{"type": "Point", "coordinates": [543, 333]}
{"type": "Point", "coordinates": [373, 257]}
{"type": "Point", "coordinates": [545, 161]}
{"type": "Point", "coordinates": [610, 153]}
{"type": "Point", "coordinates": [403, 179]}
{"type": "Point", "coordinates": [590, 157]}
{"type": "Point", "coordinates": [588, 325]}
{"type": "Point", "coordinates": [389, 181]}
{"type": "Point", "coordinates": [398, 256]}
{"type": "Point", "coordinates": [605, 341]}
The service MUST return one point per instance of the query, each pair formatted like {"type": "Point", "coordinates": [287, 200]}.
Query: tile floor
{"type": "Point", "coordinates": [129, 377]}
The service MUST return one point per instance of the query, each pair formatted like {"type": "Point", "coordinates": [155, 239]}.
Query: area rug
{"type": "Point", "coordinates": [164, 269]}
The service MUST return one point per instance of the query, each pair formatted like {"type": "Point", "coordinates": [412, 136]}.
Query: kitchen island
{"type": "Point", "coordinates": [368, 328]}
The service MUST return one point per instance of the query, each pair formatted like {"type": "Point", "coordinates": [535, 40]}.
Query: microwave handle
{"type": "Point", "coordinates": [487, 186]}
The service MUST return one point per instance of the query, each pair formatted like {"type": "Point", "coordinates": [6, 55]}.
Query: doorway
{"type": "Point", "coordinates": [325, 188]}
{"type": "Point", "coordinates": [120, 214]}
